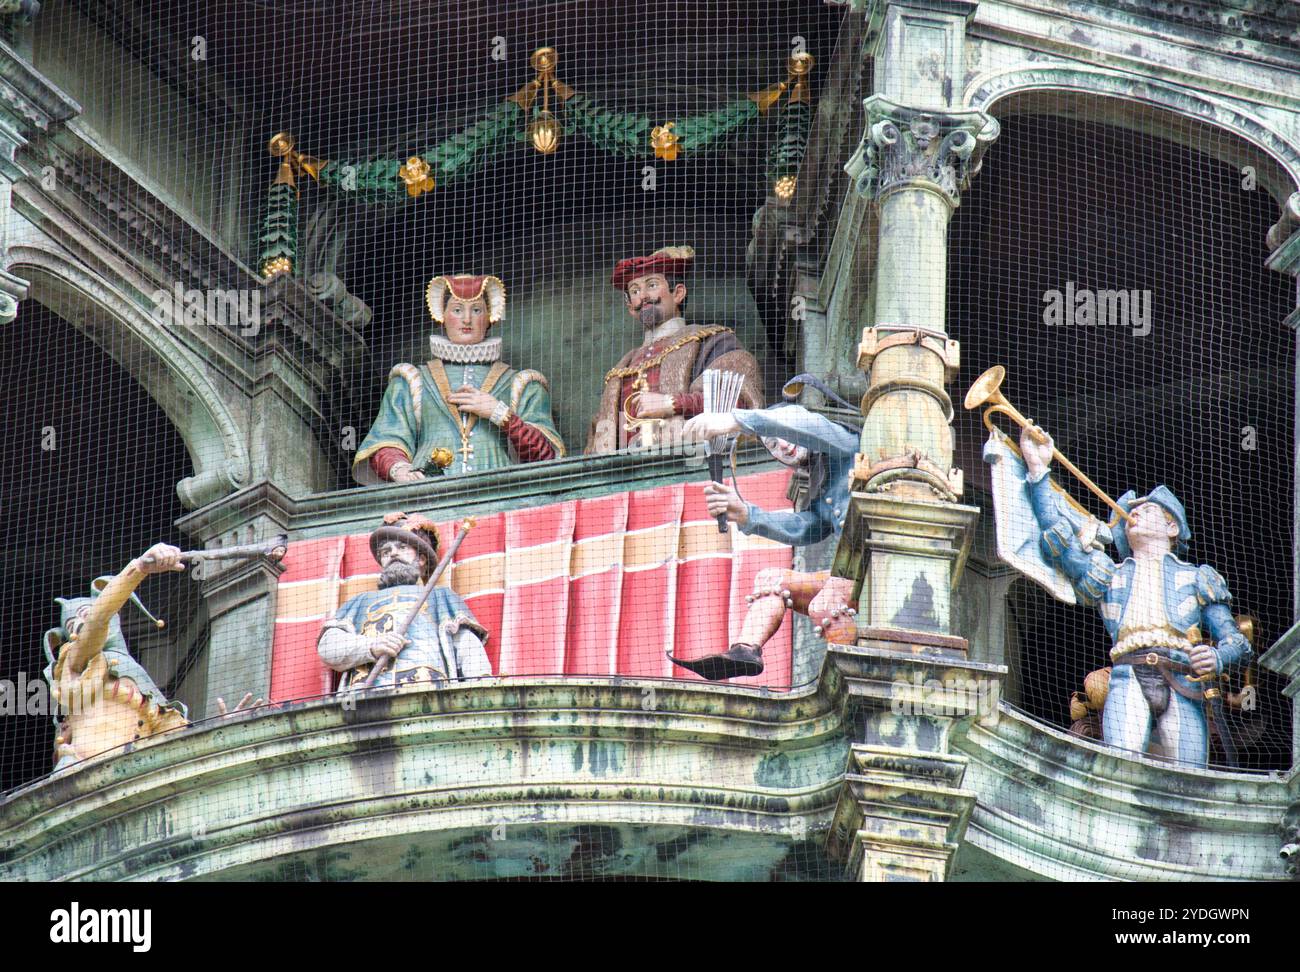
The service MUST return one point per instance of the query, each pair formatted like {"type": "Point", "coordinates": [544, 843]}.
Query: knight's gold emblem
{"type": "Point", "coordinates": [382, 615]}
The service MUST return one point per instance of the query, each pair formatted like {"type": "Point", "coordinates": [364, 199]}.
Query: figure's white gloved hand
{"type": "Point", "coordinates": [389, 643]}
{"type": "Point", "coordinates": [1037, 455]}
{"type": "Point", "coordinates": [159, 559]}
{"type": "Point", "coordinates": [722, 498]}
{"type": "Point", "coordinates": [710, 425]}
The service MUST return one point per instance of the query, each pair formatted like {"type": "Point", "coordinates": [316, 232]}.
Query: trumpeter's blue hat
{"type": "Point", "coordinates": [1163, 497]}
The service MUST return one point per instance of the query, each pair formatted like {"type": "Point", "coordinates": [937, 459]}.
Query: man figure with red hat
{"type": "Point", "coordinates": [466, 409]}
{"type": "Point", "coordinates": [444, 641]}
{"type": "Point", "coordinates": [655, 388]}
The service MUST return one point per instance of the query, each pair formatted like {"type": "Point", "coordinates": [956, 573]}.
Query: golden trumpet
{"type": "Point", "coordinates": [987, 389]}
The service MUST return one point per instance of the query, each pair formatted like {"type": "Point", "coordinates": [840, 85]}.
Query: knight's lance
{"type": "Point", "coordinates": [382, 662]}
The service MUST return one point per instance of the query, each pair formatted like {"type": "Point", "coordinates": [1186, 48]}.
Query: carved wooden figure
{"type": "Point", "coordinates": [465, 409]}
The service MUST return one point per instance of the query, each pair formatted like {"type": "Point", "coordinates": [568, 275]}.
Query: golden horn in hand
{"type": "Point", "coordinates": [987, 392]}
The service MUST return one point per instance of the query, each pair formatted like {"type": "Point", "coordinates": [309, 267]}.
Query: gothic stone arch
{"type": "Point", "coordinates": [1144, 104]}
{"type": "Point", "coordinates": [154, 357]}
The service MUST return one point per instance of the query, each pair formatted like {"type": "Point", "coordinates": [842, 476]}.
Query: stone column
{"type": "Point", "coordinates": [1283, 656]}
{"type": "Point", "coordinates": [299, 346]}
{"type": "Point", "coordinates": [906, 537]}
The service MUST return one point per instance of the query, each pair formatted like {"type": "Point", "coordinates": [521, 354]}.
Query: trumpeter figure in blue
{"type": "Point", "coordinates": [1159, 610]}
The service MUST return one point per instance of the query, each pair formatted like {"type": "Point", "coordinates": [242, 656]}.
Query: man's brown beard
{"type": "Point", "coordinates": [650, 316]}
{"type": "Point", "coordinates": [398, 573]}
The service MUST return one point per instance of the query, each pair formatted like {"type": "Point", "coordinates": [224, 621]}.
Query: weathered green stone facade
{"type": "Point", "coordinates": [844, 779]}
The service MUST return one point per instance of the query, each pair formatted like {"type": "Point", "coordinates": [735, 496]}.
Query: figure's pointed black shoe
{"type": "Point", "coordinates": [738, 661]}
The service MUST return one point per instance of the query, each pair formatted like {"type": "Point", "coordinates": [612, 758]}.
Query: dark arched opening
{"type": "Point", "coordinates": [88, 483]}
{"type": "Point", "coordinates": [1199, 396]}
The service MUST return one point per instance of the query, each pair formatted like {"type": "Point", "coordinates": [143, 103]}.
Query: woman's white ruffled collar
{"type": "Point", "coordinates": [485, 352]}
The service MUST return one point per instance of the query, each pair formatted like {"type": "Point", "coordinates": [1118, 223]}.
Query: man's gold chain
{"type": "Point", "coordinates": [658, 359]}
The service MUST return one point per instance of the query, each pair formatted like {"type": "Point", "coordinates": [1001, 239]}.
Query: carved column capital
{"type": "Point", "coordinates": [30, 105]}
{"type": "Point", "coordinates": [919, 149]}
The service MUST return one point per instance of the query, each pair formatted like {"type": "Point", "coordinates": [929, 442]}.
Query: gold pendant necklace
{"type": "Point", "coordinates": [464, 425]}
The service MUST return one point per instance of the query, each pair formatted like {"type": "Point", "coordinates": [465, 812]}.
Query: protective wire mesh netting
{"type": "Point", "coordinates": [447, 176]}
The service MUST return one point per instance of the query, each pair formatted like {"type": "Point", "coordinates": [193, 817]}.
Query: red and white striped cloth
{"type": "Point", "coordinates": [601, 586]}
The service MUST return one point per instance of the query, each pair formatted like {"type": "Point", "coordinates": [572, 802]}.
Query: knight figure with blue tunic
{"type": "Point", "coordinates": [444, 641]}
{"type": "Point", "coordinates": [1157, 608]}
{"type": "Point", "coordinates": [796, 437]}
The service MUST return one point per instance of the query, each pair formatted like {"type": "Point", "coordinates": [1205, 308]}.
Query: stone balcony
{"type": "Point", "coordinates": [613, 777]}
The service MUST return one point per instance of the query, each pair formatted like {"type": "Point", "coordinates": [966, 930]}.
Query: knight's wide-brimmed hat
{"type": "Point", "coordinates": [670, 261]}
{"type": "Point", "coordinates": [1163, 497]}
{"type": "Point", "coordinates": [414, 529]}
{"type": "Point", "coordinates": [466, 287]}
